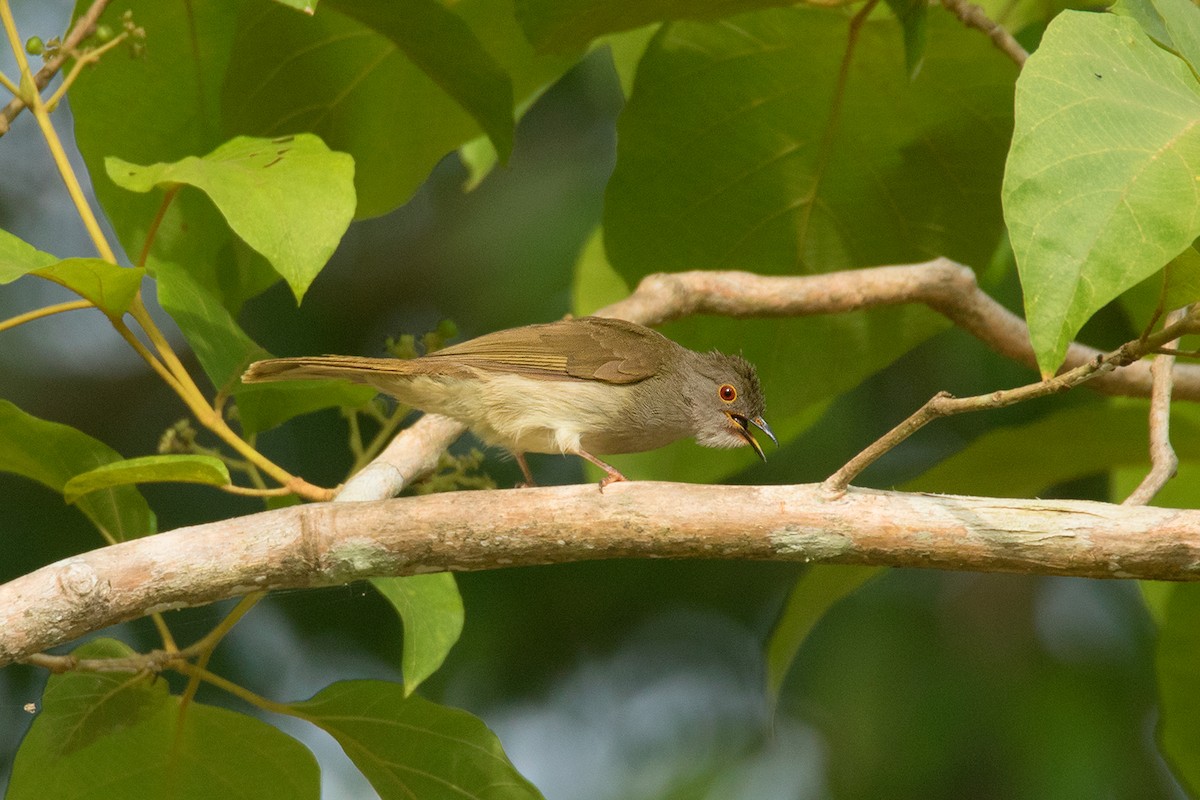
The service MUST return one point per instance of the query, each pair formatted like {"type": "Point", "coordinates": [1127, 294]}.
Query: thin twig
{"type": "Point", "coordinates": [973, 16]}
{"type": "Point", "coordinates": [84, 27]}
{"type": "Point", "coordinates": [944, 404]}
{"type": "Point", "coordinates": [38, 313]}
{"type": "Point", "coordinates": [1163, 461]}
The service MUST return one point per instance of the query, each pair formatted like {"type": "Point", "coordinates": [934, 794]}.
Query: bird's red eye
{"type": "Point", "coordinates": [727, 393]}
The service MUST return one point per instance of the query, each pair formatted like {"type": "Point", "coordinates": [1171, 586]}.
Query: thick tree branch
{"type": "Point", "coordinates": [332, 543]}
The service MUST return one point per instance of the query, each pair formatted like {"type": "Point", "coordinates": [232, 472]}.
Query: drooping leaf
{"type": "Point", "coordinates": [290, 198]}
{"type": "Point", "coordinates": [110, 288]}
{"type": "Point", "coordinates": [432, 612]}
{"type": "Point", "coordinates": [563, 25]}
{"type": "Point", "coordinates": [819, 589]}
{"type": "Point", "coordinates": [444, 47]}
{"type": "Point", "coordinates": [912, 15]}
{"type": "Point", "coordinates": [409, 747]}
{"type": "Point", "coordinates": [18, 257]}
{"type": "Point", "coordinates": [175, 468]}
{"type": "Point", "coordinates": [726, 161]}
{"type": "Point", "coordinates": [52, 454]}
{"type": "Point", "coordinates": [154, 751]}
{"type": "Point", "coordinates": [79, 708]}
{"type": "Point", "coordinates": [1100, 189]}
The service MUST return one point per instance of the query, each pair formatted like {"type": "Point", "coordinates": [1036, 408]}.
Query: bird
{"type": "Point", "coordinates": [585, 386]}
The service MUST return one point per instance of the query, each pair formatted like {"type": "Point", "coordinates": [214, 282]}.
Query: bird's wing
{"type": "Point", "coordinates": [589, 348]}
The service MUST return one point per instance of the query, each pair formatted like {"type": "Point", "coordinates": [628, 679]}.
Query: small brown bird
{"type": "Point", "coordinates": [582, 386]}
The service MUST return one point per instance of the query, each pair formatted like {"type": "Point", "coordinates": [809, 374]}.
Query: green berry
{"type": "Point", "coordinates": [35, 46]}
{"type": "Point", "coordinates": [103, 33]}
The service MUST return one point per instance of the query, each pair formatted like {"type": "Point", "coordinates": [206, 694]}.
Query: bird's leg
{"type": "Point", "coordinates": [520, 457]}
{"type": "Point", "coordinates": [611, 473]}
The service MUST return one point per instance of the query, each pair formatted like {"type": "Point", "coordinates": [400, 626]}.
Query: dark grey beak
{"type": "Point", "coordinates": [743, 425]}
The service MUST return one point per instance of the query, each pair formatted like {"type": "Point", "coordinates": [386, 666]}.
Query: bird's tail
{"type": "Point", "coordinates": [352, 368]}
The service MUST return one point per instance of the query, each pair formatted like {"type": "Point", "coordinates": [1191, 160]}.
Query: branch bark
{"type": "Point", "coordinates": [332, 543]}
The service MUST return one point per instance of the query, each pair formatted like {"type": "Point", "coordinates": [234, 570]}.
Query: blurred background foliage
{"type": "Point", "coordinates": [646, 680]}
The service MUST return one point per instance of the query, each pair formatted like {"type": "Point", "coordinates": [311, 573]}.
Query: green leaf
{"type": "Point", "coordinates": [596, 283]}
{"type": "Point", "coordinates": [1172, 23]}
{"type": "Point", "coordinates": [432, 612]}
{"type": "Point", "coordinates": [159, 753]}
{"type": "Point", "coordinates": [1176, 656]}
{"type": "Point", "coordinates": [290, 198]}
{"type": "Point", "coordinates": [912, 15]}
{"type": "Point", "coordinates": [1177, 285]}
{"type": "Point", "coordinates": [563, 25]}
{"type": "Point", "coordinates": [149, 469]}
{"type": "Point", "coordinates": [357, 89]}
{"type": "Point", "coordinates": [720, 165]}
{"type": "Point", "coordinates": [110, 288]}
{"type": "Point", "coordinates": [819, 589]}
{"type": "Point", "coordinates": [408, 747]}
{"type": "Point", "coordinates": [52, 454]}
{"type": "Point", "coordinates": [176, 83]}
{"type": "Point", "coordinates": [1089, 222]}
{"type": "Point", "coordinates": [18, 258]}
{"type": "Point", "coordinates": [225, 350]}
{"type": "Point", "coordinates": [446, 50]}
{"type": "Point", "coordinates": [78, 708]}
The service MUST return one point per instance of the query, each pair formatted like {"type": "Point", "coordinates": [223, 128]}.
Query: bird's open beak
{"type": "Point", "coordinates": [742, 425]}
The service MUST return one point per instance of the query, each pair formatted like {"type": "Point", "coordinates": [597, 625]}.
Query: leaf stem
{"type": "Point", "coordinates": [204, 647]}
{"type": "Point", "coordinates": [240, 692]}
{"type": "Point", "coordinates": [7, 83]}
{"type": "Point", "coordinates": [168, 196]}
{"type": "Point", "coordinates": [30, 316]}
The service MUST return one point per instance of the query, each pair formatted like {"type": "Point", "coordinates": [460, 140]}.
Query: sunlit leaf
{"type": "Point", "coordinates": [18, 258]}
{"type": "Point", "coordinates": [1100, 190]}
{"type": "Point", "coordinates": [52, 454]}
{"type": "Point", "coordinates": [290, 198]}
{"type": "Point", "coordinates": [183, 468]}
{"type": "Point", "coordinates": [409, 747]}
{"type": "Point", "coordinates": [110, 288]}
{"type": "Point", "coordinates": [432, 612]}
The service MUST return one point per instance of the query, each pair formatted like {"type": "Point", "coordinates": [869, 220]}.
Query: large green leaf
{"type": "Point", "coordinates": [1100, 190]}
{"type": "Point", "coordinates": [108, 735]}
{"type": "Point", "coordinates": [225, 350]}
{"type": "Point", "coordinates": [431, 609]}
{"type": "Point", "coordinates": [177, 85]}
{"type": "Point", "coordinates": [442, 45]}
{"type": "Point", "coordinates": [52, 454]}
{"type": "Point", "coordinates": [188, 468]}
{"type": "Point", "coordinates": [563, 25]}
{"type": "Point", "coordinates": [726, 161]}
{"type": "Point", "coordinates": [1176, 656]}
{"type": "Point", "coordinates": [18, 257]}
{"type": "Point", "coordinates": [79, 708]}
{"type": "Point", "coordinates": [290, 198]}
{"type": "Point", "coordinates": [410, 748]}
{"type": "Point", "coordinates": [819, 589]}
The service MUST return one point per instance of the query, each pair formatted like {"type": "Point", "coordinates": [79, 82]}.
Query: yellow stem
{"type": "Point", "coordinates": [147, 356]}
{"type": "Point", "coordinates": [164, 633]}
{"type": "Point", "coordinates": [246, 491]}
{"type": "Point", "coordinates": [33, 98]}
{"type": "Point", "coordinates": [239, 691]}
{"type": "Point", "coordinates": [204, 648]}
{"type": "Point", "coordinates": [30, 316]}
{"type": "Point", "coordinates": [7, 83]}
